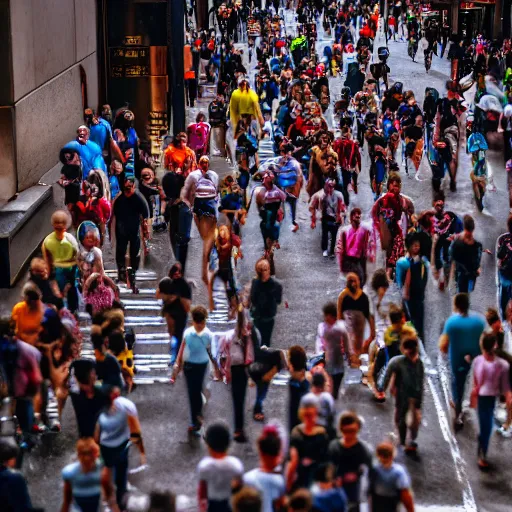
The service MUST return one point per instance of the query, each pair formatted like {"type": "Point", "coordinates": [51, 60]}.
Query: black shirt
{"type": "Point", "coordinates": [109, 371]}
{"type": "Point", "coordinates": [87, 410]}
{"type": "Point", "coordinates": [128, 211]}
{"type": "Point", "coordinates": [73, 174]}
{"type": "Point", "coordinates": [181, 289]}
{"type": "Point", "coordinates": [265, 296]}
{"type": "Point", "coordinates": [172, 184]}
{"type": "Point", "coordinates": [414, 132]}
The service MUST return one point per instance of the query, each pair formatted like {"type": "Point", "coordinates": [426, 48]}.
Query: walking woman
{"type": "Point", "coordinates": [236, 352]}
{"type": "Point", "coordinates": [117, 426]}
{"type": "Point", "coordinates": [490, 380]}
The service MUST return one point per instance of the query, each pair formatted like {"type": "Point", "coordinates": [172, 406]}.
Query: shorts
{"type": "Point", "coordinates": [205, 208]}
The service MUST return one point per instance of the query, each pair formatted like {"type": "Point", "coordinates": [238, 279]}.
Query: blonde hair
{"type": "Point", "coordinates": [61, 214]}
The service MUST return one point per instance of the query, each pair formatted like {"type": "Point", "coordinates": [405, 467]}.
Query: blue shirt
{"type": "Point", "coordinates": [402, 266]}
{"type": "Point", "coordinates": [196, 345]}
{"type": "Point", "coordinates": [330, 500]}
{"type": "Point", "coordinates": [83, 484]}
{"type": "Point", "coordinates": [13, 491]}
{"type": "Point", "coordinates": [464, 333]}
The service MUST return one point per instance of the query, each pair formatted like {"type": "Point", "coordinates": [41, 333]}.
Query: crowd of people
{"type": "Point", "coordinates": [116, 194]}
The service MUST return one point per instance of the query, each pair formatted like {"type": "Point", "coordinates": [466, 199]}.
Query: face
{"type": "Point", "coordinates": [329, 187]}
{"type": "Point", "coordinates": [87, 457]}
{"type": "Point", "coordinates": [40, 270]}
{"type": "Point", "coordinates": [147, 175]}
{"type": "Point", "coordinates": [395, 187]}
{"type": "Point", "coordinates": [419, 121]}
{"type": "Point", "coordinates": [264, 270]}
{"type": "Point", "coordinates": [204, 164]}
{"type": "Point", "coordinates": [223, 233]}
{"type": "Point", "coordinates": [309, 415]}
{"type": "Point", "coordinates": [89, 240]}
{"type": "Point", "coordinates": [350, 432]}
{"type": "Point", "coordinates": [83, 135]}
{"type": "Point", "coordinates": [129, 188]}
{"type": "Point", "coordinates": [414, 249]}
{"type": "Point", "coordinates": [352, 284]}
{"type": "Point", "coordinates": [439, 206]}
{"type": "Point", "coordinates": [356, 218]}
{"type": "Point", "coordinates": [60, 224]}
{"type": "Point", "coordinates": [183, 141]}
{"type": "Point", "coordinates": [268, 179]}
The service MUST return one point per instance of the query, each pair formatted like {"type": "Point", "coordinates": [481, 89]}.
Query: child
{"type": "Point", "coordinates": [326, 407]}
{"type": "Point", "coordinates": [298, 385]}
{"type": "Point", "coordinates": [300, 501]}
{"type": "Point", "coordinates": [107, 367]}
{"type": "Point", "coordinates": [118, 347]}
{"type": "Point", "coordinates": [409, 374]}
{"type": "Point", "coordinates": [218, 471]}
{"type": "Point", "coordinates": [332, 339]}
{"type": "Point", "coordinates": [326, 497]}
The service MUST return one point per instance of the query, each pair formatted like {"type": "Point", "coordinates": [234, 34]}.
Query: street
{"type": "Point", "coordinates": [445, 477]}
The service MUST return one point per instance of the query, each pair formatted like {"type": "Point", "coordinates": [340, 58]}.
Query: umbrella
{"type": "Point", "coordinates": [477, 142]}
{"type": "Point", "coordinates": [489, 102]}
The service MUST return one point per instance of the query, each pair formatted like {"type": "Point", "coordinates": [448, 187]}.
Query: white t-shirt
{"type": "Point", "coordinates": [326, 410]}
{"type": "Point", "coordinates": [218, 475]}
{"type": "Point", "coordinates": [270, 485]}
{"type": "Point", "coordinates": [114, 427]}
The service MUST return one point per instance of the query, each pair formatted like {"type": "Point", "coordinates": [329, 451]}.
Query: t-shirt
{"type": "Point", "coordinates": [464, 333]}
{"type": "Point", "coordinates": [297, 389]}
{"type": "Point", "coordinates": [466, 257]}
{"type": "Point", "coordinates": [28, 323]}
{"type": "Point", "coordinates": [114, 427]}
{"type": "Point", "coordinates": [181, 289]}
{"type": "Point", "coordinates": [326, 411]}
{"type": "Point", "coordinates": [109, 371]}
{"type": "Point", "coordinates": [83, 484]}
{"type": "Point", "coordinates": [196, 345]}
{"type": "Point", "coordinates": [14, 495]}
{"type": "Point", "coordinates": [172, 183]}
{"type": "Point", "coordinates": [87, 410]}
{"type": "Point", "coordinates": [218, 475]}
{"type": "Point", "coordinates": [356, 459]}
{"type": "Point", "coordinates": [128, 212]}
{"type": "Point", "coordinates": [386, 484]}
{"type": "Point", "coordinates": [492, 376]}
{"type": "Point", "coordinates": [348, 303]}
{"type": "Point", "coordinates": [270, 485]}
{"type": "Point", "coordinates": [331, 339]}
{"type": "Point", "coordinates": [330, 500]}
{"type": "Point", "coordinates": [63, 252]}
{"type": "Point", "coordinates": [265, 297]}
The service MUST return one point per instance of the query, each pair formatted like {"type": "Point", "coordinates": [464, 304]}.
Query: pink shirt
{"type": "Point", "coordinates": [491, 377]}
{"type": "Point", "coordinates": [355, 241]}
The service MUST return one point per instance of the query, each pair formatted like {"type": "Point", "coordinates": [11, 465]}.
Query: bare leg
{"type": "Point", "coordinates": [211, 279]}
{"type": "Point", "coordinates": [206, 227]}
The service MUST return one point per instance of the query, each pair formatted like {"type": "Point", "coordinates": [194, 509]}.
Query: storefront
{"type": "Point", "coordinates": [476, 18]}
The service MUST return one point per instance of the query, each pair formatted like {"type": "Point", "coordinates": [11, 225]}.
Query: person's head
{"type": "Point", "coordinates": [380, 281]}
{"type": "Point", "coordinates": [493, 319]}
{"type": "Point", "coordinates": [82, 134]}
{"type": "Point", "coordinates": [329, 186]}
{"type": "Point", "coordinates": [217, 438]}
{"type": "Point", "coordinates": [60, 221]}
{"type": "Point", "coordinates": [349, 425]}
{"type": "Point", "coordinates": [111, 393]}
{"type": "Point", "coordinates": [468, 223]}
{"type": "Point", "coordinates": [116, 167]}
{"type": "Point", "coordinates": [409, 345]}
{"type": "Point", "coordinates": [116, 342]}
{"type": "Point", "coordinates": [201, 117]}
{"type": "Point", "coordinates": [461, 303]}
{"type": "Point", "coordinates": [318, 382]}
{"type": "Point", "coordinates": [270, 446]}
{"type": "Point", "coordinates": [418, 120]}
{"type": "Point", "coordinates": [488, 342]}
{"type": "Point", "coordinates": [224, 233]}
{"type": "Point", "coordinates": [353, 282]}
{"type": "Point", "coordinates": [204, 163]}
{"type": "Point", "coordinates": [394, 184]}
{"type": "Point", "coordinates": [9, 451]}
{"type": "Point", "coordinates": [300, 501]}
{"type": "Point", "coordinates": [89, 235]}
{"type": "Point", "coordinates": [247, 499]}
{"type": "Point", "coordinates": [355, 216]}
{"type": "Point", "coordinates": [396, 315]}
{"type": "Point", "coordinates": [39, 268]}
{"type": "Point", "coordinates": [268, 178]}
{"type": "Point", "coordinates": [87, 451]}
{"type": "Point", "coordinates": [330, 312]}
{"type": "Point", "coordinates": [161, 500]}
{"type": "Point", "coordinates": [147, 175]}
{"type": "Point", "coordinates": [129, 186]}
{"type": "Point", "coordinates": [199, 316]}
{"type": "Point", "coordinates": [438, 202]}
{"type": "Point", "coordinates": [297, 358]}
{"type": "Point", "coordinates": [385, 453]}
{"type": "Point", "coordinates": [324, 475]}
{"type": "Point", "coordinates": [85, 372]}
{"type": "Point", "coordinates": [176, 271]}
{"type": "Point", "coordinates": [262, 269]}
{"type": "Point", "coordinates": [31, 295]}
{"type": "Point", "coordinates": [243, 83]}
{"type": "Point", "coordinates": [413, 245]}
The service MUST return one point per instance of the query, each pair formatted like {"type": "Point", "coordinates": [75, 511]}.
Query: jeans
{"type": "Point", "coordinates": [348, 177]}
{"type": "Point", "coordinates": [459, 376]}
{"type": "Point", "coordinates": [465, 283]}
{"type": "Point", "coordinates": [65, 276]}
{"type": "Point", "coordinates": [117, 459]}
{"type": "Point", "coordinates": [265, 326]}
{"type": "Point", "coordinates": [505, 294]}
{"type": "Point", "coordinates": [87, 503]}
{"type": "Point", "coordinates": [261, 394]}
{"type": "Point", "coordinates": [25, 414]}
{"type": "Point", "coordinates": [180, 225]}
{"type": "Point", "coordinates": [485, 420]}
{"type": "Point", "coordinates": [194, 375]}
{"type": "Point", "coordinates": [218, 506]}
{"type": "Point", "coordinates": [122, 242]}
{"type": "Point", "coordinates": [292, 201]}
{"type": "Point", "coordinates": [416, 311]}
{"type": "Point", "coordinates": [329, 226]}
{"type": "Point", "coordinates": [337, 379]}
{"type": "Point", "coordinates": [239, 379]}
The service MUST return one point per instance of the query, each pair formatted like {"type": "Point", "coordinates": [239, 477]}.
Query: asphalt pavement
{"type": "Point", "coordinates": [445, 477]}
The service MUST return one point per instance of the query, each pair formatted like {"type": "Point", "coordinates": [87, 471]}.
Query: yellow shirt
{"type": "Point", "coordinates": [243, 102]}
{"type": "Point", "coordinates": [28, 323]}
{"type": "Point", "coordinates": [63, 252]}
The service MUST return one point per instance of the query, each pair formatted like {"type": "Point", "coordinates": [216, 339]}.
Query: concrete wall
{"type": "Point", "coordinates": [49, 41]}
{"type": "Point", "coordinates": [7, 154]}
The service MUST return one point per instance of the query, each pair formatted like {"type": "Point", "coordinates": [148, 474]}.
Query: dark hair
{"type": "Point", "coordinates": [318, 380]}
{"type": "Point", "coordinates": [396, 313]}
{"type": "Point", "coordinates": [8, 449]}
{"type": "Point", "coordinates": [461, 302]}
{"type": "Point", "coordinates": [297, 357]}
{"type": "Point", "coordinates": [300, 501]}
{"type": "Point", "coordinates": [97, 341]}
{"type": "Point", "coordinates": [161, 500]}
{"type": "Point", "coordinates": [175, 267]}
{"type": "Point", "coordinates": [509, 223]}
{"type": "Point", "coordinates": [116, 342]}
{"type": "Point", "coordinates": [349, 418]}
{"type": "Point", "coordinates": [247, 499]}
{"type": "Point", "coordinates": [409, 343]}
{"type": "Point", "coordinates": [217, 437]}
{"type": "Point", "coordinates": [492, 316]}
{"type": "Point", "coordinates": [330, 309]}
{"type": "Point", "coordinates": [269, 441]}
{"type": "Point", "coordinates": [439, 196]}
{"type": "Point", "coordinates": [199, 314]}
{"type": "Point", "coordinates": [380, 279]}
{"type": "Point", "coordinates": [394, 178]}
{"type": "Point", "coordinates": [469, 223]}
{"type": "Point", "coordinates": [385, 449]}
{"type": "Point", "coordinates": [488, 342]}
{"type": "Point", "coordinates": [324, 473]}
{"type": "Point", "coordinates": [7, 327]}
{"type": "Point", "coordinates": [82, 369]}
{"type": "Point", "coordinates": [411, 239]}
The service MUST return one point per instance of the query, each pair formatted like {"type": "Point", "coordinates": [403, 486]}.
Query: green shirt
{"type": "Point", "coordinates": [63, 252]}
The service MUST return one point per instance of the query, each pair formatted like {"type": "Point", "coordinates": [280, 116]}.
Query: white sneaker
{"type": "Point", "coordinates": [505, 432]}
{"type": "Point", "coordinates": [325, 254]}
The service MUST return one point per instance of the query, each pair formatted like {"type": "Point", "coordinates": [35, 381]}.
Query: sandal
{"type": "Point", "coordinates": [258, 416]}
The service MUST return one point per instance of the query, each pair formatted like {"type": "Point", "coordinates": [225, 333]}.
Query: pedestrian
{"type": "Point", "coordinates": [130, 214]}
{"type": "Point", "coordinates": [332, 339]}
{"type": "Point", "coordinates": [176, 294]}
{"type": "Point", "coordinates": [39, 274]}
{"type": "Point", "coordinates": [504, 264]}
{"type": "Point", "coordinates": [298, 384]}
{"type": "Point", "coordinates": [308, 445]}
{"type": "Point", "coordinates": [461, 341]}
{"type": "Point", "coordinates": [118, 426]}
{"type": "Point", "coordinates": [247, 499]}
{"type": "Point", "coordinates": [235, 352]}
{"type": "Point", "coordinates": [354, 246]}
{"type": "Point", "coordinates": [217, 472]}
{"type": "Point", "coordinates": [300, 501]}
{"type": "Point", "coordinates": [408, 373]}
{"type": "Point", "coordinates": [326, 406]}
{"type": "Point", "coordinates": [28, 315]}
{"type": "Point", "coordinates": [327, 497]}
{"type": "Point", "coordinates": [266, 294]}
{"type": "Point", "coordinates": [330, 203]}
{"type": "Point", "coordinates": [491, 379]}
{"type": "Point", "coordinates": [193, 357]}
{"type": "Point", "coordinates": [82, 480]}
{"type": "Point", "coordinates": [60, 251]}
{"type": "Point", "coordinates": [354, 309]}
{"type": "Point", "coordinates": [267, 479]}
{"type": "Point", "coordinates": [466, 255]}
{"type": "Point", "coordinates": [349, 157]}
{"type": "Point", "coordinates": [351, 458]}
{"type": "Point", "coordinates": [108, 370]}
{"type": "Point", "coordinates": [390, 483]}
{"type": "Point", "coordinates": [14, 494]}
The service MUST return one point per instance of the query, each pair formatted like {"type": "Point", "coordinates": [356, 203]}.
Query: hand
{"type": "Point", "coordinates": [143, 460]}
{"type": "Point", "coordinates": [313, 223]}
{"type": "Point", "coordinates": [467, 358]}
{"type": "Point", "coordinates": [366, 344]}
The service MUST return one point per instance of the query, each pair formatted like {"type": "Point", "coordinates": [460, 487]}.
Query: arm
{"type": "Point", "coordinates": [407, 285]}
{"type": "Point", "coordinates": [67, 498]}
{"type": "Point", "coordinates": [390, 371]}
{"type": "Point", "coordinates": [407, 500]}
{"type": "Point", "coordinates": [444, 343]}
{"type": "Point", "coordinates": [340, 306]}
{"type": "Point", "coordinates": [136, 436]}
{"type": "Point", "coordinates": [202, 495]}
{"type": "Point", "coordinates": [187, 190]}
{"type": "Point", "coordinates": [291, 469]}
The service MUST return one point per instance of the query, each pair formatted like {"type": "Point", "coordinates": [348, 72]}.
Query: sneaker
{"type": "Point", "coordinates": [505, 432]}
{"type": "Point", "coordinates": [295, 227]}
{"type": "Point", "coordinates": [325, 254]}
{"type": "Point", "coordinates": [55, 426]}
{"type": "Point", "coordinates": [39, 428]}
{"type": "Point", "coordinates": [240, 437]}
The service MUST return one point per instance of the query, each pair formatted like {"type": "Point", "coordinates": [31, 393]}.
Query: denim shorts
{"type": "Point", "coordinates": [205, 208]}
